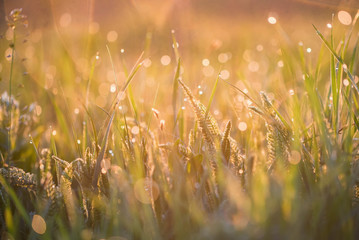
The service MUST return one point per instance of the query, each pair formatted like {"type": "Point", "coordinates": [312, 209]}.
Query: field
{"type": "Point", "coordinates": [167, 120]}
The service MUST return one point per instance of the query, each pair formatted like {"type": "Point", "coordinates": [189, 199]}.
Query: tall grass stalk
{"type": "Point", "coordinates": [10, 91]}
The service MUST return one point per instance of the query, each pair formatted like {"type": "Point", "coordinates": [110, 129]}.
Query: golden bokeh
{"type": "Point", "coordinates": [38, 224]}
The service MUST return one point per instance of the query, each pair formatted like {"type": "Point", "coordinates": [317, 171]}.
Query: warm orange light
{"type": "Point", "coordinates": [344, 18]}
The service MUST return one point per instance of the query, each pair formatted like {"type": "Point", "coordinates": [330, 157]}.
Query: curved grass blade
{"type": "Point", "coordinates": [128, 81]}
{"type": "Point", "coordinates": [101, 155]}
{"type": "Point", "coordinates": [258, 105]}
{"type": "Point", "coordinates": [346, 70]}
{"type": "Point", "coordinates": [112, 65]}
{"type": "Point", "coordinates": [175, 46]}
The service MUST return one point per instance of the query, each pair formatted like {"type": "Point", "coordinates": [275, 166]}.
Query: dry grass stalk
{"type": "Point", "coordinates": [278, 134]}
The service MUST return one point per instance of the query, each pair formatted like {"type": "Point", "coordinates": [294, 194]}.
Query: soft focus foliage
{"type": "Point", "coordinates": [176, 136]}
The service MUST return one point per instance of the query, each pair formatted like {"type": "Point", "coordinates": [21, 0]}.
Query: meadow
{"type": "Point", "coordinates": [191, 137]}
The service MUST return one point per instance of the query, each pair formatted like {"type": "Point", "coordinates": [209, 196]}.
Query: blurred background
{"type": "Point", "coordinates": [245, 40]}
{"type": "Point", "coordinates": [126, 22]}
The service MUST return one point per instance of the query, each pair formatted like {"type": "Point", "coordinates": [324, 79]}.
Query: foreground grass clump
{"type": "Point", "coordinates": [290, 172]}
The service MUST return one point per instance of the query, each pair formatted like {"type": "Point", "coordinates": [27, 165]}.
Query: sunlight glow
{"type": "Point", "coordinates": [36, 36]}
{"type": "Point", "coordinates": [208, 71]}
{"type": "Point", "coordinates": [29, 52]}
{"type": "Point", "coordinates": [205, 62]}
{"type": "Point", "coordinates": [65, 20]}
{"type": "Point", "coordinates": [165, 60]}
{"type": "Point", "coordinates": [135, 130]}
{"type": "Point", "coordinates": [253, 66]}
{"type": "Point", "coordinates": [225, 74]}
{"type": "Point", "coordinates": [223, 57]}
{"type": "Point", "coordinates": [272, 20]}
{"type": "Point", "coordinates": [259, 48]}
{"type": "Point", "coordinates": [280, 64]}
{"type": "Point", "coordinates": [112, 36]}
{"type": "Point", "coordinates": [123, 109]}
{"type": "Point", "coordinates": [94, 27]}
{"type": "Point", "coordinates": [344, 17]}
{"type": "Point", "coordinates": [242, 126]}
{"type": "Point", "coordinates": [147, 62]}
{"type": "Point", "coordinates": [144, 189]}
{"type": "Point", "coordinates": [177, 45]}
{"type": "Point", "coordinates": [38, 224]}
{"type": "Point", "coordinates": [103, 89]}
{"type": "Point", "coordinates": [294, 157]}
{"type": "Point", "coordinates": [100, 101]}
{"type": "Point", "coordinates": [113, 88]}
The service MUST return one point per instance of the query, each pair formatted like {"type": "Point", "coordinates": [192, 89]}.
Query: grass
{"type": "Point", "coordinates": [183, 158]}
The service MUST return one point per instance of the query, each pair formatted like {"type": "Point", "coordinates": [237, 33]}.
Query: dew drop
{"type": "Point", "coordinates": [272, 20]}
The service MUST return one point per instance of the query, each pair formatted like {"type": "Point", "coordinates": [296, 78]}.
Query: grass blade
{"type": "Point", "coordinates": [212, 94]}
{"type": "Point", "coordinates": [16, 200]}
{"type": "Point", "coordinates": [175, 90]}
{"type": "Point", "coordinates": [338, 58]}
{"type": "Point", "coordinates": [101, 155]}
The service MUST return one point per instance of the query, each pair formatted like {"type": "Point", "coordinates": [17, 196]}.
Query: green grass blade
{"type": "Point", "coordinates": [338, 58]}
{"type": "Point", "coordinates": [90, 80]}
{"type": "Point", "coordinates": [334, 88]}
{"type": "Point", "coordinates": [112, 65]}
{"type": "Point", "coordinates": [129, 79]}
{"type": "Point", "coordinates": [132, 100]}
{"type": "Point", "coordinates": [101, 156]}
{"type": "Point", "coordinates": [212, 95]}
{"type": "Point", "coordinates": [175, 46]}
{"type": "Point", "coordinates": [354, 56]}
{"type": "Point", "coordinates": [92, 124]}
{"type": "Point", "coordinates": [175, 90]}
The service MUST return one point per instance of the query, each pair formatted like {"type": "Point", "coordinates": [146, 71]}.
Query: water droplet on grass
{"type": "Point", "coordinates": [272, 20]}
